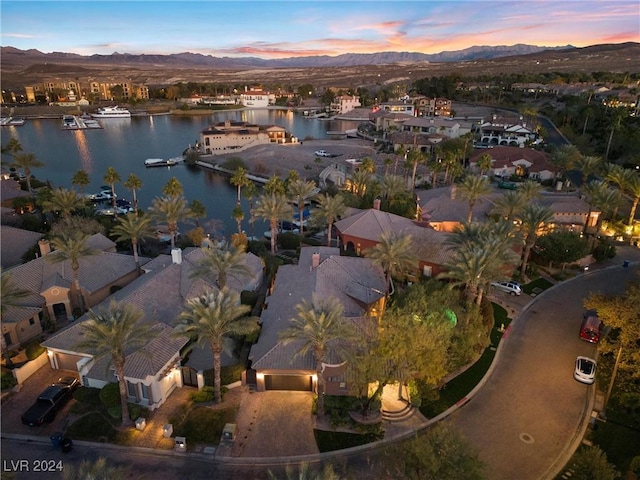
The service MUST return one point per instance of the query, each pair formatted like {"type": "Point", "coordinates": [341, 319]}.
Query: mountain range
{"type": "Point", "coordinates": [31, 67]}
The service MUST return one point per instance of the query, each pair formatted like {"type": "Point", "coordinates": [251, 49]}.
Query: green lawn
{"type": "Point", "coordinates": [204, 425]}
{"type": "Point", "coordinates": [329, 441]}
{"type": "Point", "coordinates": [537, 286]}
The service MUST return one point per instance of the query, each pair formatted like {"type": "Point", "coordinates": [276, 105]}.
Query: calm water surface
{"type": "Point", "coordinates": [125, 143]}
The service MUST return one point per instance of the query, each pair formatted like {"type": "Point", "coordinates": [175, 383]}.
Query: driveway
{"type": "Point", "coordinates": [15, 405]}
{"type": "Point", "coordinates": [529, 415]}
{"type": "Point", "coordinates": [275, 424]}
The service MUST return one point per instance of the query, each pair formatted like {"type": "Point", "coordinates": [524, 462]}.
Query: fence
{"type": "Point", "coordinates": [30, 368]}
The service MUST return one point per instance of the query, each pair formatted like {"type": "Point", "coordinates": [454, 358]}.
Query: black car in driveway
{"type": "Point", "coordinates": [52, 399]}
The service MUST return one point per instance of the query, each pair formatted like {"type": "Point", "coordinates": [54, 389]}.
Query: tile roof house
{"type": "Point", "coordinates": [50, 284]}
{"type": "Point", "coordinates": [321, 272]}
{"type": "Point", "coordinates": [507, 161]}
{"type": "Point", "coordinates": [14, 243]}
{"type": "Point", "coordinates": [154, 370]}
{"type": "Point", "coordinates": [363, 230]}
{"type": "Point", "coordinates": [233, 136]}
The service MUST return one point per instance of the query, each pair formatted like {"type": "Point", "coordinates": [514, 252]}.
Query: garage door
{"type": "Point", "coordinates": [68, 362]}
{"type": "Point", "coordinates": [288, 382]}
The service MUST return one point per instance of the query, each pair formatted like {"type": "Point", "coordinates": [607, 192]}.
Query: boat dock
{"type": "Point", "coordinates": [74, 122]}
{"type": "Point", "coordinates": [11, 122]}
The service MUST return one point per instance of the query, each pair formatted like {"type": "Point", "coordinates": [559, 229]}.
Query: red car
{"type": "Point", "coordinates": [591, 327]}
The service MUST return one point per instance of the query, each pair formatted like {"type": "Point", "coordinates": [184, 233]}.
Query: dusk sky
{"type": "Point", "coordinates": [268, 29]}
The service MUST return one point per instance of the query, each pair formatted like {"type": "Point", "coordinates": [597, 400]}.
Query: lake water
{"type": "Point", "coordinates": [125, 143]}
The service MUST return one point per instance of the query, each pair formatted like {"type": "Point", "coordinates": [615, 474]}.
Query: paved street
{"type": "Point", "coordinates": [528, 412]}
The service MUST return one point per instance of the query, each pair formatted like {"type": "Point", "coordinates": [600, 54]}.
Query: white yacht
{"type": "Point", "coordinates": [112, 112]}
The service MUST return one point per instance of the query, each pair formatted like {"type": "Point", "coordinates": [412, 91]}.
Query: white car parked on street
{"type": "Point", "coordinates": [585, 371]}
{"type": "Point", "coordinates": [322, 153]}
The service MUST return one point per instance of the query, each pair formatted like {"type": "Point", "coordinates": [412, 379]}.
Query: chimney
{"type": "Point", "coordinates": [45, 247]}
{"type": "Point", "coordinates": [176, 255]}
{"type": "Point", "coordinates": [315, 260]}
{"type": "Point", "coordinates": [376, 203]}
{"type": "Point", "coordinates": [453, 192]}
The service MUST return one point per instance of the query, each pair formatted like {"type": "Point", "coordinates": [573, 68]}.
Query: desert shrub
{"type": "Point", "coordinates": [110, 395]}
{"type": "Point", "coordinates": [289, 241]}
{"type": "Point", "coordinates": [88, 395]}
{"type": "Point", "coordinates": [234, 163]}
{"type": "Point", "coordinates": [137, 411]}
{"type": "Point", "coordinates": [7, 380]}
{"type": "Point", "coordinates": [204, 395]}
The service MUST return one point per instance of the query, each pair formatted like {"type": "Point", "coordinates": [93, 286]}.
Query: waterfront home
{"type": "Point", "coordinates": [508, 161]}
{"type": "Point", "coordinates": [256, 98]}
{"type": "Point", "coordinates": [231, 137]}
{"type": "Point", "coordinates": [153, 370]}
{"type": "Point", "coordinates": [322, 272]}
{"type": "Point", "coordinates": [342, 104]}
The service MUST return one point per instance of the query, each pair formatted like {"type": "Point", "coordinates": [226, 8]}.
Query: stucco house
{"type": "Point", "coordinates": [154, 370]}
{"type": "Point", "coordinates": [15, 244]}
{"type": "Point", "coordinates": [232, 136]}
{"type": "Point", "coordinates": [508, 161]}
{"type": "Point", "coordinates": [363, 230]}
{"type": "Point", "coordinates": [50, 284]}
{"type": "Point", "coordinates": [357, 284]}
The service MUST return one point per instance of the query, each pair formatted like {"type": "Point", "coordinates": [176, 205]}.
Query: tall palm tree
{"type": "Point", "coordinates": [134, 184]}
{"type": "Point", "coordinates": [472, 189]}
{"type": "Point", "coordinates": [173, 188]}
{"type": "Point", "coordinates": [170, 210]}
{"type": "Point", "coordinates": [633, 189]}
{"type": "Point", "coordinates": [81, 179]}
{"type": "Point", "coordinates": [219, 264]}
{"type": "Point", "coordinates": [275, 186]}
{"type": "Point", "coordinates": [63, 201]}
{"type": "Point", "coordinates": [72, 246]}
{"type": "Point", "coordinates": [12, 147]}
{"type": "Point", "coordinates": [319, 326]}
{"type": "Point", "coordinates": [198, 210]}
{"type": "Point", "coordinates": [587, 165]}
{"type": "Point", "coordinates": [391, 187]}
{"type": "Point", "coordinates": [238, 215]}
{"type": "Point", "coordinates": [601, 196]}
{"type": "Point", "coordinates": [330, 208]}
{"type": "Point", "coordinates": [211, 317]}
{"type": "Point", "coordinates": [532, 218]}
{"type": "Point", "coordinates": [530, 190]}
{"type": "Point", "coordinates": [484, 163]}
{"type": "Point", "coordinates": [415, 158]}
{"type": "Point", "coordinates": [26, 162]}
{"type": "Point", "coordinates": [509, 204]}
{"type": "Point", "coordinates": [111, 177]}
{"type": "Point", "coordinates": [135, 229]}
{"type": "Point", "coordinates": [359, 182]}
{"type": "Point", "coordinates": [250, 192]}
{"type": "Point", "coordinates": [563, 158]}
{"type": "Point", "coordinates": [239, 179]}
{"type": "Point", "coordinates": [394, 253]}
{"type": "Point", "coordinates": [301, 190]}
{"type": "Point", "coordinates": [273, 208]}
{"type": "Point", "coordinates": [113, 332]}
{"type": "Point", "coordinates": [11, 294]}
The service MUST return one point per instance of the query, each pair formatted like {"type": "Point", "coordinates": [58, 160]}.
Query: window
{"type": "Point", "coordinates": [145, 391]}
{"type": "Point", "coordinates": [131, 389]}
{"type": "Point", "coordinates": [31, 321]}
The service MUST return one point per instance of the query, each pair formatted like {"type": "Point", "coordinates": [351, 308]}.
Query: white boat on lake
{"type": "Point", "coordinates": [112, 112]}
{"type": "Point", "coordinates": [160, 162]}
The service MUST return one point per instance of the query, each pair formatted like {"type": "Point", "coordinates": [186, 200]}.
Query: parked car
{"type": "Point", "coordinates": [591, 327]}
{"type": "Point", "coordinates": [52, 399]}
{"type": "Point", "coordinates": [585, 371]}
{"type": "Point", "coordinates": [322, 153]}
{"type": "Point", "coordinates": [510, 287]}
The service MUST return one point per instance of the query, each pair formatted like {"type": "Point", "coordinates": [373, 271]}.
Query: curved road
{"type": "Point", "coordinates": [528, 416]}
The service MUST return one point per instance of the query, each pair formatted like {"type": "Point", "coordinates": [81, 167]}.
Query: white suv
{"type": "Point", "coordinates": [512, 288]}
{"type": "Point", "coordinates": [322, 153]}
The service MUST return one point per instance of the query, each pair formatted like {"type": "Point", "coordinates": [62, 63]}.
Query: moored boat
{"type": "Point", "coordinates": [160, 162]}
{"type": "Point", "coordinates": [112, 112]}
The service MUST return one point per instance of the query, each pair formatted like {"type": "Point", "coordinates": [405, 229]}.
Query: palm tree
{"type": "Point", "coordinates": [415, 158]}
{"type": "Point", "coordinates": [484, 163]}
{"type": "Point", "coordinates": [11, 294]}
{"type": "Point", "coordinates": [72, 246]}
{"type": "Point", "coordinates": [273, 208]}
{"type": "Point", "coordinates": [509, 204]}
{"type": "Point", "coordinates": [12, 147]}
{"type": "Point", "coordinates": [136, 229]}
{"type": "Point", "coordinates": [563, 159]}
{"type": "Point", "coordinates": [633, 189]}
{"type": "Point", "coordinates": [330, 208]}
{"type": "Point", "coordinates": [173, 188]}
{"type": "Point", "coordinates": [26, 161]}
{"type": "Point", "coordinates": [81, 179]}
{"type": "Point", "coordinates": [604, 198]}
{"type": "Point", "coordinates": [134, 184]}
{"type": "Point", "coordinates": [211, 317]}
{"type": "Point", "coordinates": [198, 210]}
{"type": "Point", "coordinates": [63, 201]}
{"type": "Point", "coordinates": [530, 190]}
{"type": "Point", "coordinates": [391, 187]}
{"type": "Point", "coordinates": [473, 189]}
{"type": "Point", "coordinates": [239, 179]}
{"type": "Point", "coordinates": [238, 215]}
{"type": "Point", "coordinates": [394, 253]}
{"type": "Point", "coordinates": [319, 326]}
{"type": "Point", "coordinates": [359, 182]}
{"type": "Point", "coordinates": [301, 190]}
{"type": "Point", "coordinates": [587, 165]}
{"type": "Point", "coordinates": [170, 210]}
{"type": "Point", "coordinates": [274, 186]}
{"type": "Point", "coordinates": [250, 191]}
{"type": "Point", "coordinates": [111, 177]}
{"type": "Point", "coordinates": [532, 218]}
{"type": "Point", "coordinates": [219, 264]}
{"type": "Point", "coordinates": [112, 332]}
